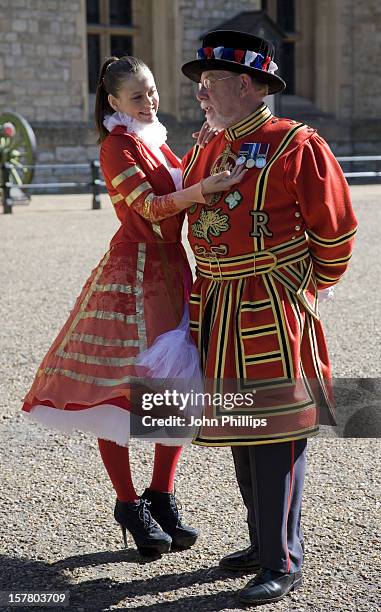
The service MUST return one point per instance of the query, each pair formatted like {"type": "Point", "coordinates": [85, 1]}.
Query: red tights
{"type": "Point", "coordinates": [116, 460]}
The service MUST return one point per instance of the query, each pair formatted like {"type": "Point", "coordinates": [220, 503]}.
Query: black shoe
{"type": "Point", "coordinates": [137, 519]}
{"type": "Point", "coordinates": [269, 586]}
{"type": "Point", "coordinates": [165, 511]}
{"type": "Point", "coordinates": [241, 560]}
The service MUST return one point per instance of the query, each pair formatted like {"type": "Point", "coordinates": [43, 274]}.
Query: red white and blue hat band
{"type": "Point", "coordinates": [252, 59]}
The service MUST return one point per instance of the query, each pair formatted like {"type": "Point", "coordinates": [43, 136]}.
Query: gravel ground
{"type": "Point", "coordinates": [57, 528]}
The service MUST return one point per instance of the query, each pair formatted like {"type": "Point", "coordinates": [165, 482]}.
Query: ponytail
{"type": "Point", "coordinates": [113, 72]}
{"type": "Point", "coordinates": [102, 106]}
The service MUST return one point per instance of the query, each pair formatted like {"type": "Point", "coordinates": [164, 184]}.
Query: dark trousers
{"type": "Point", "coordinates": [270, 478]}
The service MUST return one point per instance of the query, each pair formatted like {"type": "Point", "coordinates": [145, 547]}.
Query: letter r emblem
{"type": "Point", "coordinates": [260, 220]}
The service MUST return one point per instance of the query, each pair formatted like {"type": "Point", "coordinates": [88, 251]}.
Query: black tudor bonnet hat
{"type": "Point", "coordinates": [237, 52]}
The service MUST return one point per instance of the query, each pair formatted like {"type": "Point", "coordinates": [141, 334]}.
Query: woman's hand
{"type": "Point", "coordinates": [223, 180]}
{"type": "Point", "coordinates": [205, 135]}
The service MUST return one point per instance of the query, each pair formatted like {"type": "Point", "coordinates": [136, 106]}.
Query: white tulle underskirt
{"type": "Point", "coordinates": [105, 421]}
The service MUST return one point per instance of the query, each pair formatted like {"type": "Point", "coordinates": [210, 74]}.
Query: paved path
{"type": "Point", "coordinates": [57, 529]}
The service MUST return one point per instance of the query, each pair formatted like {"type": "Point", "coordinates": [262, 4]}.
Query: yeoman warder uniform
{"type": "Point", "coordinates": [263, 251]}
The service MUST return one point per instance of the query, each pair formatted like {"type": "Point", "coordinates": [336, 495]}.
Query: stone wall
{"type": "Point", "coordinates": [366, 37]}
{"type": "Point", "coordinates": [347, 72]}
{"type": "Point", "coordinates": [42, 55]}
{"type": "Point", "coordinates": [198, 17]}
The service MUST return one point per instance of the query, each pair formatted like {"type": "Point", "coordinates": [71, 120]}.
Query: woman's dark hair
{"type": "Point", "coordinates": [112, 74]}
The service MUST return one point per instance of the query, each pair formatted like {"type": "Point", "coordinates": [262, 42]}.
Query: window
{"type": "Point", "coordinates": [121, 45]}
{"type": "Point", "coordinates": [286, 15]}
{"type": "Point", "coordinates": [92, 11]}
{"type": "Point", "coordinates": [110, 31]}
{"type": "Point", "coordinates": [288, 66]}
{"type": "Point", "coordinates": [120, 12]}
{"type": "Point", "coordinates": [93, 55]}
{"type": "Point", "coordinates": [286, 20]}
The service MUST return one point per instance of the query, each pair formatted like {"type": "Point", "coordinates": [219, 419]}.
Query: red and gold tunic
{"type": "Point", "coordinates": [262, 252]}
{"type": "Point", "coordinates": [136, 293]}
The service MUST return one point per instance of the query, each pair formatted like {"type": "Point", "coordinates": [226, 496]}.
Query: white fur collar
{"type": "Point", "coordinates": [152, 134]}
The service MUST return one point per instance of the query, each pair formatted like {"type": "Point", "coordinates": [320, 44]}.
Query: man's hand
{"type": "Point", "coordinates": [205, 135]}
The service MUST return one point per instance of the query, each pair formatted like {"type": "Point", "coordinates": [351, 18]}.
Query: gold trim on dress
{"type": "Point", "coordinates": [93, 360]}
{"type": "Point", "coordinates": [157, 229]}
{"type": "Point", "coordinates": [92, 380]}
{"type": "Point", "coordinates": [146, 209]}
{"type": "Point", "coordinates": [103, 341]}
{"type": "Point", "coordinates": [116, 198]}
{"type": "Point", "coordinates": [140, 320]}
{"type": "Point", "coordinates": [85, 300]}
{"type": "Point", "coordinates": [137, 192]}
{"type": "Point", "coordinates": [115, 288]}
{"type": "Point", "coordinates": [117, 180]}
{"type": "Point", "coordinates": [108, 316]}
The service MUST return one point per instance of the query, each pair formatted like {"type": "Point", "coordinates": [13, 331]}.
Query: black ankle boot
{"type": "Point", "coordinates": [165, 512]}
{"type": "Point", "coordinates": [137, 519]}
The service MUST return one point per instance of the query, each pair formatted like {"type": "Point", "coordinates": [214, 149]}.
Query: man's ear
{"type": "Point", "coordinates": [245, 85]}
{"type": "Point", "coordinates": [113, 102]}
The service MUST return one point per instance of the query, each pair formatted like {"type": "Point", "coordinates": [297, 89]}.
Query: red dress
{"type": "Point", "coordinates": [136, 293]}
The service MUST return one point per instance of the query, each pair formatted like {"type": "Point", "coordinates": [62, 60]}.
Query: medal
{"type": "Point", "coordinates": [245, 153]}
{"type": "Point", "coordinates": [260, 162]}
{"type": "Point", "coordinates": [261, 158]}
{"type": "Point", "coordinates": [253, 150]}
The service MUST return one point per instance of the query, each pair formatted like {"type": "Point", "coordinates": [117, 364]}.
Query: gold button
{"type": "Point", "coordinates": [293, 237]}
{"type": "Point", "coordinates": [297, 203]}
{"type": "Point", "coordinates": [297, 214]}
{"type": "Point", "coordinates": [297, 227]}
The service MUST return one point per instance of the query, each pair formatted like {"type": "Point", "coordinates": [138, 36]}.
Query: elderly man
{"type": "Point", "coordinates": [263, 251]}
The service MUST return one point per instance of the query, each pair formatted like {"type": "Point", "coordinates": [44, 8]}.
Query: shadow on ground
{"type": "Point", "coordinates": [20, 574]}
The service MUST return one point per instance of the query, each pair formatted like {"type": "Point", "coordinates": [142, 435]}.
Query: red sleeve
{"type": "Point", "coordinates": [122, 171]}
{"type": "Point", "coordinates": [315, 179]}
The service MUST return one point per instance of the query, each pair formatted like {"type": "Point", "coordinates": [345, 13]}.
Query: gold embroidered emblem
{"type": "Point", "coordinates": [210, 222]}
{"type": "Point", "coordinates": [220, 164]}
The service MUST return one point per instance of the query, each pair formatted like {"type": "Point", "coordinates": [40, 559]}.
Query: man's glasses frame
{"type": "Point", "coordinates": [208, 83]}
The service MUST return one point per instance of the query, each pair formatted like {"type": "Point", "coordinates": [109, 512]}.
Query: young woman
{"type": "Point", "coordinates": [135, 295]}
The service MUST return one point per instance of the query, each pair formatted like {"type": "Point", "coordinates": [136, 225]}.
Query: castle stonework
{"type": "Point", "coordinates": [198, 17]}
{"type": "Point", "coordinates": [44, 67]}
{"type": "Point", "coordinates": [43, 59]}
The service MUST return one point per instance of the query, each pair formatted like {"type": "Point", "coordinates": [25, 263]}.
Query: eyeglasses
{"type": "Point", "coordinates": [208, 83]}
